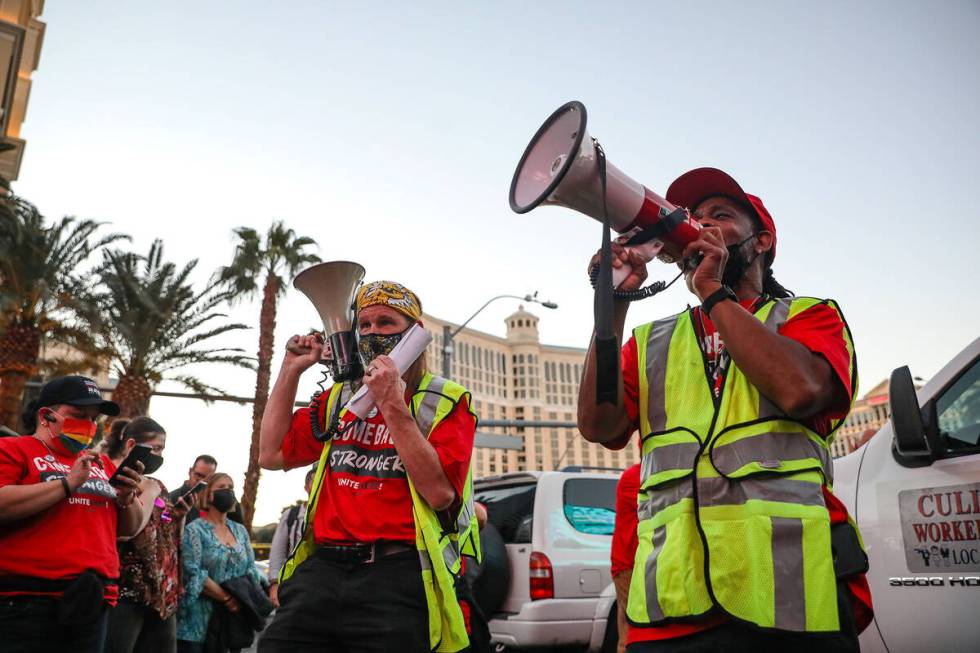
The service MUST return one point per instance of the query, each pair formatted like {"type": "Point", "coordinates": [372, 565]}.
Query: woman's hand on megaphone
{"type": "Point", "coordinates": [622, 255]}
{"type": "Point", "coordinates": [302, 352]}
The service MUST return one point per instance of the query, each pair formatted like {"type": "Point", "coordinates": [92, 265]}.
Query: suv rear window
{"type": "Point", "coordinates": [590, 504]}
{"type": "Point", "coordinates": [510, 509]}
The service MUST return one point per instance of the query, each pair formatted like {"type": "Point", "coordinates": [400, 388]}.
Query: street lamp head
{"type": "Point", "coordinates": [534, 298]}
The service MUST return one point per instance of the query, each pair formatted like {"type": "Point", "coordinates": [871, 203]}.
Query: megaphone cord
{"type": "Point", "coordinates": [333, 423]}
{"type": "Point", "coordinates": [638, 294]}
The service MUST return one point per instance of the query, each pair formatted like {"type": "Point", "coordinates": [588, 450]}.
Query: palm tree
{"type": "Point", "coordinates": [150, 321]}
{"type": "Point", "coordinates": [40, 270]}
{"type": "Point", "coordinates": [281, 255]}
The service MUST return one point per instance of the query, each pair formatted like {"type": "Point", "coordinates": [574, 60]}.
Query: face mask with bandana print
{"type": "Point", "coordinates": [372, 345]}
{"type": "Point", "coordinates": [76, 434]}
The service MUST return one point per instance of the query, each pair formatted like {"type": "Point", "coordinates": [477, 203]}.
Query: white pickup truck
{"type": "Point", "coordinates": [914, 490]}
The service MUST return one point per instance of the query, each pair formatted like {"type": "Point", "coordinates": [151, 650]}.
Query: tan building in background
{"type": "Point", "coordinates": [518, 378]}
{"type": "Point", "coordinates": [869, 414]}
{"type": "Point", "coordinates": [21, 38]}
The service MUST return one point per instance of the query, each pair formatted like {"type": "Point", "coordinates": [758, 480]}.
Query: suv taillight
{"type": "Point", "coordinates": [542, 577]}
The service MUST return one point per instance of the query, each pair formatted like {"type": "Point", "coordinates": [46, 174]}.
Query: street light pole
{"type": "Point", "coordinates": [448, 334]}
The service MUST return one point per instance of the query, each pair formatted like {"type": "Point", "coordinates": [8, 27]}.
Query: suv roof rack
{"type": "Point", "coordinates": [591, 468]}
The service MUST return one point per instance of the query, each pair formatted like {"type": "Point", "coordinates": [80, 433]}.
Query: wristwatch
{"type": "Point", "coordinates": [719, 295]}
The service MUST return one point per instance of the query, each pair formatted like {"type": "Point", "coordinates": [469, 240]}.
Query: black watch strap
{"type": "Point", "coordinates": [719, 295]}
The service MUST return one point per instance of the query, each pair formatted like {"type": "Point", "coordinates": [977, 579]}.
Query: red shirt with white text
{"type": "Point", "coordinates": [73, 535]}
{"type": "Point", "coordinates": [364, 496]}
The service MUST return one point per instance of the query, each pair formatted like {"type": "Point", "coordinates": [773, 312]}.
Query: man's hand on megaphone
{"type": "Point", "coordinates": [302, 352]}
{"type": "Point", "coordinates": [385, 383]}
{"type": "Point", "coordinates": [706, 277]}
{"type": "Point", "coordinates": [622, 255]}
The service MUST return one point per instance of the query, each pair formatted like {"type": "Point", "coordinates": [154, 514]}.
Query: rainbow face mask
{"type": "Point", "coordinates": [76, 434]}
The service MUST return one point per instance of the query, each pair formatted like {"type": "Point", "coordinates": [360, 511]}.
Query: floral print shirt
{"type": "Point", "coordinates": [149, 569]}
{"type": "Point", "coordinates": [205, 556]}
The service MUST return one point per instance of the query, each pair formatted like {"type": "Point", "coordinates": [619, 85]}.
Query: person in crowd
{"type": "Point", "coordinates": [623, 548]}
{"type": "Point", "coordinates": [472, 570]}
{"type": "Point", "coordinates": [289, 532]}
{"type": "Point", "coordinates": [387, 489]}
{"type": "Point", "coordinates": [204, 465]}
{"type": "Point", "coordinates": [59, 520]}
{"type": "Point", "coordinates": [214, 550]}
{"type": "Point", "coordinates": [736, 401]}
{"type": "Point", "coordinates": [145, 621]}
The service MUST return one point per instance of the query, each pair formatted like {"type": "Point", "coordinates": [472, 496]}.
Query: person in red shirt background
{"type": "Point", "coordinates": [59, 519]}
{"type": "Point", "coordinates": [805, 371]}
{"type": "Point", "coordinates": [363, 525]}
{"type": "Point", "coordinates": [624, 545]}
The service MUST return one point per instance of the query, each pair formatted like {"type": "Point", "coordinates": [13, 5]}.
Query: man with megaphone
{"type": "Point", "coordinates": [390, 510]}
{"type": "Point", "coordinates": [742, 544]}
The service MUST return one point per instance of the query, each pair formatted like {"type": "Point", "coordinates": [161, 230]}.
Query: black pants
{"type": "Point", "coordinates": [330, 606]}
{"type": "Point", "coordinates": [30, 625]}
{"type": "Point", "coordinates": [135, 628]}
{"type": "Point", "coordinates": [738, 638]}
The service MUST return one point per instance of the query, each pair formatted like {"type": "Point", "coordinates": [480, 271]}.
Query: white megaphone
{"type": "Point", "coordinates": [331, 287]}
{"type": "Point", "coordinates": [560, 167]}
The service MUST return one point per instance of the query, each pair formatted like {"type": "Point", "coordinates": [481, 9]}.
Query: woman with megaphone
{"type": "Point", "coordinates": [390, 510]}
{"type": "Point", "coordinates": [741, 543]}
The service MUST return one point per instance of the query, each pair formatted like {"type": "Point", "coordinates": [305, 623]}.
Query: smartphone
{"type": "Point", "coordinates": [140, 453]}
{"type": "Point", "coordinates": [191, 492]}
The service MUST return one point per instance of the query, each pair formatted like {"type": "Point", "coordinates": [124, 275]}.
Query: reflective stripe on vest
{"type": "Point", "coordinates": [435, 399]}
{"type": "Point", "coordinates": [732, 479]}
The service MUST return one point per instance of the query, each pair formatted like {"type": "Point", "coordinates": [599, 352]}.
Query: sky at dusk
{"type": "Point", "coordinates": [390, 134]}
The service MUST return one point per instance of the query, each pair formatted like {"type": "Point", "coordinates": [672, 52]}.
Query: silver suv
{"type": "Point", "coordinates": [557, 529]}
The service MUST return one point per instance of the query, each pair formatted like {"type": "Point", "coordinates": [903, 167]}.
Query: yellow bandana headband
{"type": "Point", "coordinates": [391, 294]}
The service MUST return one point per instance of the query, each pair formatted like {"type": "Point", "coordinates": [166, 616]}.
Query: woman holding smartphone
{"type": "Point", "coordinates": [149, 574]}
{"type": "Point", "coordinates": [59, 520]}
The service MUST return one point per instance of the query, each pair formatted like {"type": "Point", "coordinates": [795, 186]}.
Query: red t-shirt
{"type": "Point", "coordinates": [624, 534]}
{"type": "Point", "coordinates": [820, 329]}
{"type": "Point", "coordinates": [364, 496]}
{"type": "Point", "coordinates": [71, 536]}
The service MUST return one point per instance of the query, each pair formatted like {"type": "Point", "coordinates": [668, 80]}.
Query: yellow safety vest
{"type": "Point", "coordinates": [731, 507]}
{"type": "Point", "coordinates": [439, 550]}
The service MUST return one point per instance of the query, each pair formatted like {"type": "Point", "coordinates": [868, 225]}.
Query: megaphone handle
{"type": "Point", "coordinates": [606, 343]}
{"type": "Point", "coordinates": [646, 251]}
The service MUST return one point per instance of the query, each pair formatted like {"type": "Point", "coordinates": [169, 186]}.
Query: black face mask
{"type": "Point", "coordinates": [373, 345]}
{"type": "Point", "coordinates": [223, 500]}
{"type": "Point", "coordinates": [737, 264]}
{"type": "Point", "coordinates": [153, 463]}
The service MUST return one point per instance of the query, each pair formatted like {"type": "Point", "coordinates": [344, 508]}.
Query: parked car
{"type": "Point", "coordinates": [557, 529]}
{"type": "Point", "coordinates": [914, 490]}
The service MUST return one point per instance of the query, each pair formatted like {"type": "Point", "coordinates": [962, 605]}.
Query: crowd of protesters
{"type": "Point", "coordinates": [99, 556]}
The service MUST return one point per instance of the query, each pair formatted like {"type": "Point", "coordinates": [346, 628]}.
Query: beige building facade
{"type": "Point", "coordinates": [517, 378]}
{"type": "Point", "coordinates": [869, 414]}
{"type": "Point", "coordinates": [21, 38]}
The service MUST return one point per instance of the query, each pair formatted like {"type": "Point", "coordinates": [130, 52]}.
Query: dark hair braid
{"type": "Point", "coordinates": [772, 287]}
{"type": "Point", "coordinates": [142, 429]}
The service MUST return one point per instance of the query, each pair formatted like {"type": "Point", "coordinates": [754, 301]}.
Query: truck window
{"type": "Point", "coordinates": [958, 413]}
{"type": "Point", "coordinates": [510, 508]}
{"type": "Point", "coordinates": [590, 505]}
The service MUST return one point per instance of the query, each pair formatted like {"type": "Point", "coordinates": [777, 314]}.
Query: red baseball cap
{"type": "Point", "coordinates": [695, 186]}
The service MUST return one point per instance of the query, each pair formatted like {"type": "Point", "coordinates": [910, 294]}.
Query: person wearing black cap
{"type": "Point", "coordinates": [741, 542]}
{"type": "Point", "coordinates": [59, 520]}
